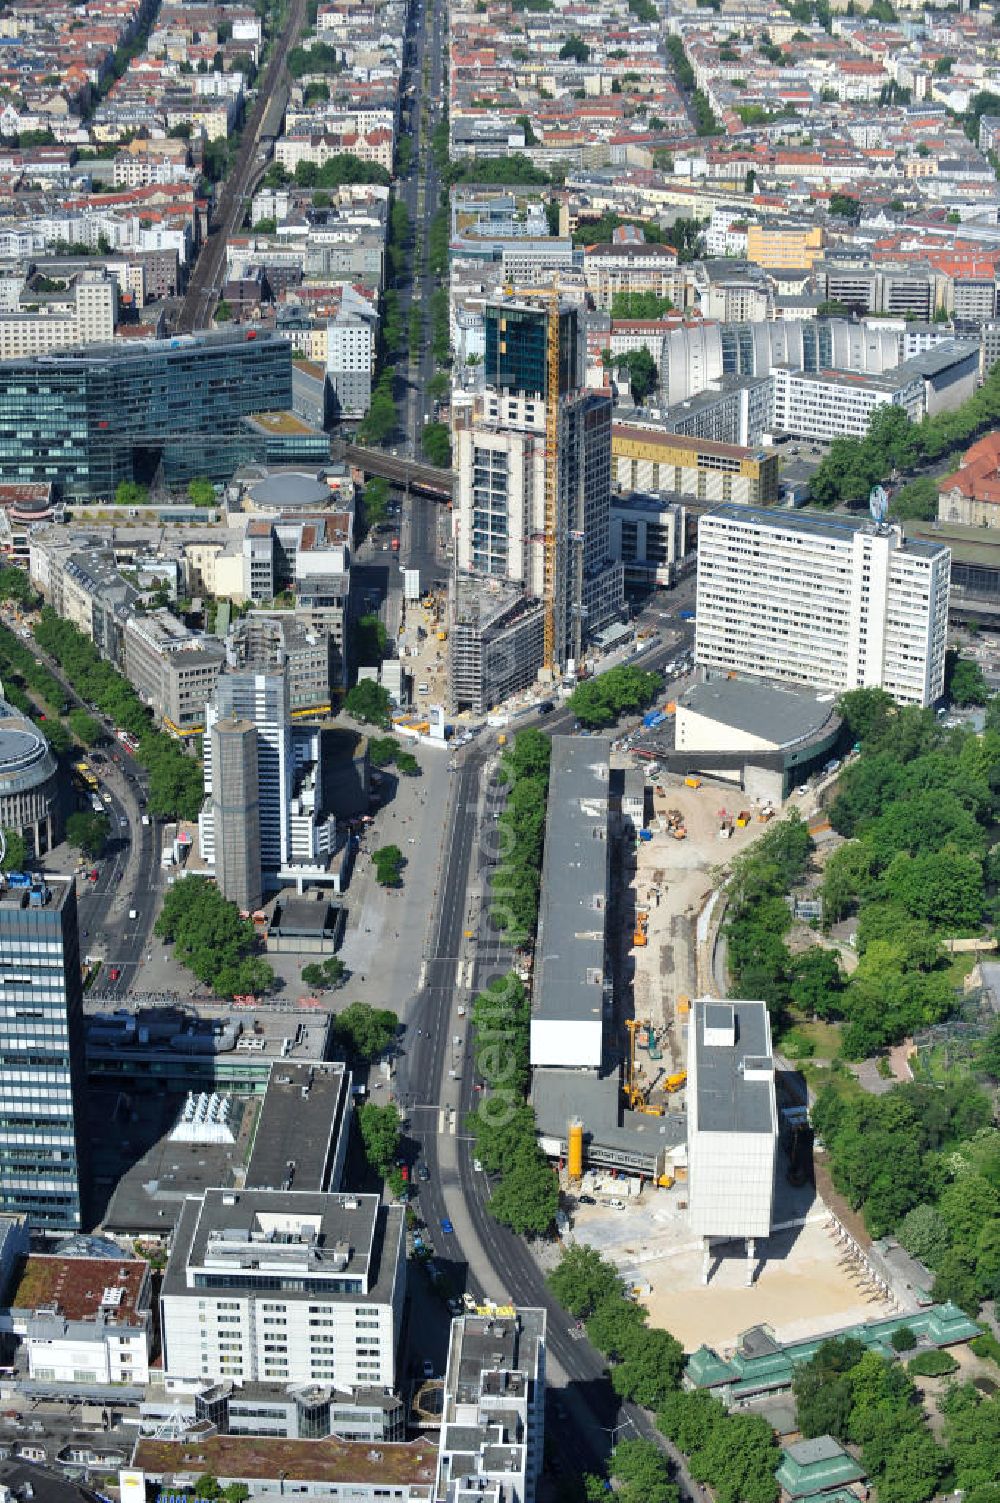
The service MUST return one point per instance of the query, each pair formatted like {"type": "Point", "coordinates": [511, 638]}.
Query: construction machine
{"type": "Point", "coordinates": [636, 1096]}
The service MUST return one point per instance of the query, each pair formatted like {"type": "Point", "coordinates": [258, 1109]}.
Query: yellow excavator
{"type": "Point", "coordinates": [636, 1095]}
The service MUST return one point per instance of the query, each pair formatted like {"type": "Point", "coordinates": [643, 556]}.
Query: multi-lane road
{"type": "Point", "coordinates": [129, 868]}
{"type": "Point", "coordinates": [481, 1255]}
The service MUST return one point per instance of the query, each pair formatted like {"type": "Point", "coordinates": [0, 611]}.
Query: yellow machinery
{"type": "Point", "coordinates": [675, 1082]}
{"type": "Point", "coordinates": [574, 1153]}
{"type": "Point", "coordinates": [635, 1095]}
{"type": "Point", "coordinates": [665, 1181]}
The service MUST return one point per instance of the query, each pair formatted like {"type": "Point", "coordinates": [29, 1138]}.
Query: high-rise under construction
{"type": "Point", "coordinates": [533, 465]}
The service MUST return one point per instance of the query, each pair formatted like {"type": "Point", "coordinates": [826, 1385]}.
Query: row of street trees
{"type": "Point", "coordinates": [893, 444]}
{"type": "Point", "coordinates": [736, 1454]}
{"type": "Point", "coordinates": [175, 779]}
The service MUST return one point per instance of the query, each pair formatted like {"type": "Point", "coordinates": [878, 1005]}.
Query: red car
{"type": "Point", "coordinates": [114, 973]}
{"type": "Point", "coordinates": [93, 874]}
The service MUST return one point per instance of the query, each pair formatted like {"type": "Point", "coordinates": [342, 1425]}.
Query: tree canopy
{"type": "Point", "coordinates": [211, 939]}
{"type": "Point", "coordinates": [388, 861]}
{"type": "Point", "coordinates": [923, 1162]}
{"type": "Point", "coordinates": [365, 1031]}
{"type": "Point", "coordinates": [88, 832]}
{"type": "Point", "coordinates": [368, 702]}
{"type": "Point", "coordinates": [599, 701]}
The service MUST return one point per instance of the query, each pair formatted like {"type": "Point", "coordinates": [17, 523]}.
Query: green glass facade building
{"type": "Point", "coordinates": [88, 419]}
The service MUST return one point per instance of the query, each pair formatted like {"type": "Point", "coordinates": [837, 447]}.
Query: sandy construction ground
{"type": "Point", "coordinates": [804, 1283]}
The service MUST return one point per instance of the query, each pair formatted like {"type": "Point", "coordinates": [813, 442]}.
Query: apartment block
{"type": "Point", "coordinates": [83, 1320]}
{"type": "Point", "coordinates": [781, 246]}
{"type": "Point", "coordinates": [172, 668]}
{"type": "Point", "coordinates": [833, 602]}
{"type": "Point", "coordinates": [84, 314]}
{"type": "Point", "coordinates": [647, 537]}
{"type": "Point", "coordinates": [829, 404]}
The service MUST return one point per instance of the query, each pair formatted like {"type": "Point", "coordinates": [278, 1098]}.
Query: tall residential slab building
{"type": "Point", "coordinates": [500, 458]}
{"type": "Point", "coordinates": [42, 1087]}
{"type": "Point", "coordinates": [835, 602]}
{"type": "Point", "coordinates": [296, 836]}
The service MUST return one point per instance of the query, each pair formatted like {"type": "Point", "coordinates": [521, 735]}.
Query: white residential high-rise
{"type": "Point", "coordinates": [831, 601]}
{"type": "Point", "coordinates": [296, 838]}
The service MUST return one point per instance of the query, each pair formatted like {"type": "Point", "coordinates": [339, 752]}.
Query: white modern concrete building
{"type": "Point", "coordinates": [284, 1286]}
{"type": "Point", "coordinates": [732, 1123]}
{"type": "Point", "coordinates": [834, 602]}
{"type": "Point", "coordinates": [492, 1424]}
{"type": "Point", "coordinates": [828, 404]}
{"type": "Point", "coordinates": [298, 838]}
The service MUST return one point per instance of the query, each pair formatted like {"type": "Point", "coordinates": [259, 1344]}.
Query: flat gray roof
{"type": "Point", "coordinates": [357, 1238]}
{"type": "Point", "coordinates": [726, 1100]}
{"type": "Point", "coordinates": [773, 711]}
{"type": "Point", "coordinates": [817, 524]}
{"type": "Point", "coordinates": [558, 1095]}
{"type": "Point", "coordinates": [300, 1120]}
{"type": "Point", "coordinates": [569, 954]}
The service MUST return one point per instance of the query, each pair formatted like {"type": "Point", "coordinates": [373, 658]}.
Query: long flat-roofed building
{"type": "Point", "coordinates": [567, 1015]}
{"type": "Point", "coordinates": [284, 1286]}
{"type": "Point", "coordinates": [653, 459]}
{"type": "Point", "coordinates": [839, 603]}
{"type": "Point", "coordinates": [732, 1123]}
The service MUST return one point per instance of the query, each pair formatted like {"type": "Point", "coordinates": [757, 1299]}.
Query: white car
{"type": "Point", "coordinates": [477, 1164]}
{"type": "Point", "coordinates": [617, 1205]}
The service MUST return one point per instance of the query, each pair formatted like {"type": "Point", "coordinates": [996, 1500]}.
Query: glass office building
{"type": "Point", "coordinates": [517, 348]}
{"type": "Point", "coordinates": [42, 1083]}
{"type": "Point", "coordinates": [88, 419]}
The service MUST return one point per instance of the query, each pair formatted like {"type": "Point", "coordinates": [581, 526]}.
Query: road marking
{"type": "Point", "coordinates": [422, 980]}
{"type": "Point", "coordinates": [441, 1120]}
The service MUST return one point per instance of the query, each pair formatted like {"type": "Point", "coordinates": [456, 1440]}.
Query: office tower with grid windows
{"type": "Point", "coordinates": [42, 1084]}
